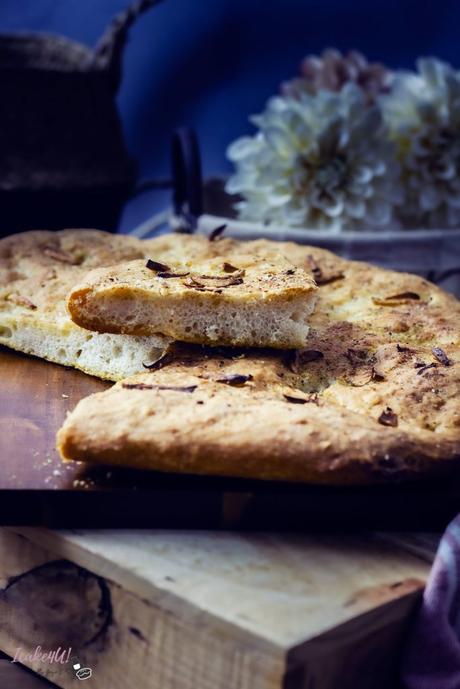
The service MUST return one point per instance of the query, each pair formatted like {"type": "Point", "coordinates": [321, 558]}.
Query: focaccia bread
{"type": "Point", "coordinates": [37, 270]}
{"type": "Point", "coordinates": [374, 395]}
{"type": "Point", "coordinates": [253, 302]}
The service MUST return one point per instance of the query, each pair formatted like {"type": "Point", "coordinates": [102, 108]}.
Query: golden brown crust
{"type": "Point", "coordinates": [43, 266]}
{"type": "Point", "coordinates": [374, 396]}
{"type": "Point", "coordinates": [37, 270]}
{"type": "Point", "coordinates": [245, 417]}
{"type": "Point", "coordinates": [262, 301]}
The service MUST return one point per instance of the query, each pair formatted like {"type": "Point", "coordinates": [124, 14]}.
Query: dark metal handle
{"type": "Point", "coordinates": [187, 177]}
{"type": "Point", "coordinates": [186, 183]}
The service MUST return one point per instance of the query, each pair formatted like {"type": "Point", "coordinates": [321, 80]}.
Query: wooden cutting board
{"type": "Point", "coordinates": [206, 610]}
{"type": "Point", "coordinates": [36, 487]}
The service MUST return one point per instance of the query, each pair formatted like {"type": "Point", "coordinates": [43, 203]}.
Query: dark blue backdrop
{"type": "Point", "coordinates": [210, 63]}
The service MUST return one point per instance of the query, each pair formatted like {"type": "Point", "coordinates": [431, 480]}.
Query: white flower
{"type": "Point", "coordinates": [332, 70]}
{"type": "Point", "coordinates": [318, 160]}
{"type": "Point", "coordinates": [423, 116]}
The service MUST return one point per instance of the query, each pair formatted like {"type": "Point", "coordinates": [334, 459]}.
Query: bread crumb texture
{"type": "Point", "coordinates": [37, 270]}
{"type": "Point", "coordinates": [253, 302]}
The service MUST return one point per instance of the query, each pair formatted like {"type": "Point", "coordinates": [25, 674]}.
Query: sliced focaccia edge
{"type": "Point", "coordinates": [37, 269]}
{"type": "Point", "coordinates": [246, 417]}
{"type": "Point", "coordinates": [252, 302]}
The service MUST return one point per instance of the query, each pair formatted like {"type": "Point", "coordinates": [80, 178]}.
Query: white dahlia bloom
{"type": "Point", "coordinates": [422, 112]}
{"type": "Point", "coordinates": [320, 160]}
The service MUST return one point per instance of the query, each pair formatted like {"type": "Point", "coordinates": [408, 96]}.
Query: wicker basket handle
{"type": "Point", "coordinates": [109, 49]}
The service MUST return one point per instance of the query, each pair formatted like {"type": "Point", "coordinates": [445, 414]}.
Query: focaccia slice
{"type": "Point", "coordinates": [274, 416]}
{"type": "Point", "coordinates": [253, 302]}
{"type": "Point", "coordinates": [37, 270]}
{"type": "Point", "coordinates": [374, 395]}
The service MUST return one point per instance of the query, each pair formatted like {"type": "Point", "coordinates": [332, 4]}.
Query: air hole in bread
{"type": "Point", "coordinates": [5, 332]}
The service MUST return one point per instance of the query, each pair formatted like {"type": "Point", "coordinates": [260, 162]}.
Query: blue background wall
{"type": "Point", "coordinates": [210, 63]}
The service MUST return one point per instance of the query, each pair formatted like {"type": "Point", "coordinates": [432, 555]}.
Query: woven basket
{"type": "Point", "coordinates": [63, 158]}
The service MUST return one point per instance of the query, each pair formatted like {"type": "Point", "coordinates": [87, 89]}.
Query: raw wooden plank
{"type": "Point", "coordinates": [143, 644]}
{"type": "Point", "coordinates": [231, 610]}
{"type": "Point", "coordinates": [278, 587]}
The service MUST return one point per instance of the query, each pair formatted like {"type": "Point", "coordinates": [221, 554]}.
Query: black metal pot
{"type": "Point", "coordinates": [63, 162]}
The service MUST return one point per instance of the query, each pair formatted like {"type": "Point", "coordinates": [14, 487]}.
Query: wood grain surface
{"type": "Point", "coordinates": [180, 610]}
{"type": "Point", "coordinates": [35, 397]}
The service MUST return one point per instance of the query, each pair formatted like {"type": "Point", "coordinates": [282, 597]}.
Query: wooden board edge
{"type": "Point", "coordinates": [362, 653]}
{"type": "Point", "coordinates": [139, 642]}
